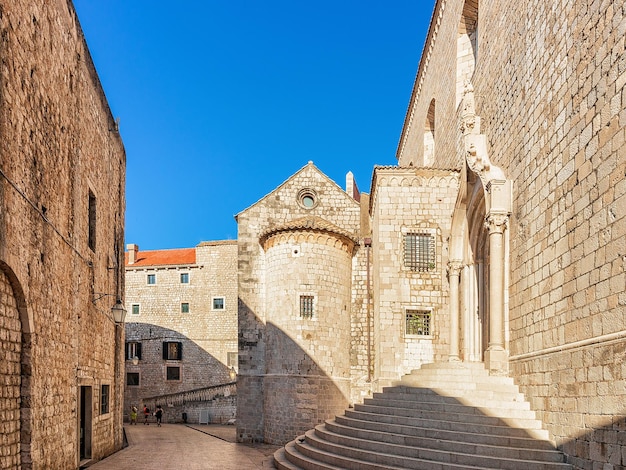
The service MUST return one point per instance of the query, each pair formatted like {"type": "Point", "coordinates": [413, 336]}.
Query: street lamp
{"type": "Point", "coordinates": [232, 372]}
{"type": "Point", "coordinates": [117, 311]}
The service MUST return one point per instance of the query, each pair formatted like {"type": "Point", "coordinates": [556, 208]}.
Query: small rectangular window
{"type": "Point", "coordinates": [218, 303]}
{"type": "Point", "coordinates": [151, 279]}
{"type": "Point", "coordinates": [132, 379]}
{"type": "Point", "coordinates": [418, 322]}
{"type": "Point", "coordinates": [184, 278]}
{"type": "Point", "coordinates": [231, 360]}
{"type": "Point", "coordinates": [306, 306]}
{"type": "Point", "coordinates": [419, 252]}
{"type": "Point", "coordinates": [104, 399]}
{"type": "Point", "coordinates": [92, 221]}
{"type": "Point", "coordinates": [173, 373]}
{"type": "Point", "coordinates": [172, 350]}
{"type": "Point", "coordinates": [184, 307]}
{"type": "Point", "coordinates": [133, 350]}
{"type": "Point", "coordinates": [135, 309]}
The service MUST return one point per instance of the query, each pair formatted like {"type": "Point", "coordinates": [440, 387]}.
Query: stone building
{"type": "Point", "coordinates": [526, 100]}
{"type": "Point", "coordinates": [62, 201]}
{"type": "Point", "coordinates": [181, 330]}
{"type": "Point", "coordinates": [301, 345]}
{"type": "Point", "coordinates": [499, 237]}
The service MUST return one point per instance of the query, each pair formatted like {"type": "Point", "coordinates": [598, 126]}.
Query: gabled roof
{"type": "Point", "coordinates": [309, 165]}
{"type": "Point", "coordinates": [163, 257]}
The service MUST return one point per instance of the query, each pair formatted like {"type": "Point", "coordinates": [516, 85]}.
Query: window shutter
{"type": "Point", "coordinates": [127, 355]}
{"type": "Point", "coordinates": [165, 350]}
{"type": "Point", "coordinates": [138, 350]}
{"type": "Point", "coordinates": [180, 350]}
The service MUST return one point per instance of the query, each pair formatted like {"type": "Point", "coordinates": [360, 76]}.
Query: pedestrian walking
{"type": "Point", "coordinates": [146, 413]}
{"type": "Point", "coordinates": [159, 415]}
{"type": "Point", "coordinates": [133, 415]}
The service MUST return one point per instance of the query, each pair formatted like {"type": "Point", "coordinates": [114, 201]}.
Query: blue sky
{"type": "Point", "coordinates": [221, 101]}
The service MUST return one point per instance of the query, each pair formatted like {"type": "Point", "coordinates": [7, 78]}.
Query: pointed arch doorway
{"type": "Point", "coordinates": [469, 273]}
{"type": "Point", "coordinates": [478, 264]}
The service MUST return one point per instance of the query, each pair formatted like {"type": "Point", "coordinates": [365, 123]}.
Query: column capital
{"type": "Point", "coordinates": [496, 222]}
{"type": "Point", "coordinates": [454, 268]}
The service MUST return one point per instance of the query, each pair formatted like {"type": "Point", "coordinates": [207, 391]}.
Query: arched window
{"type": "Point", "coordinates": [467, 46]}
{"type": "Point", "coordinates": [429, 135]}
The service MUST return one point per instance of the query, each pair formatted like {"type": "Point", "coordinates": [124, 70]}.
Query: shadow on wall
{"type": "Point", "coordinates": [283, 389]}
{"type": "Point", "coordinates": [169, 363]}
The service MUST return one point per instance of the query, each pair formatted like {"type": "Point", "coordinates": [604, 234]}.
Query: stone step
{"type": "Point", "coordinates": [471, 416]}
{"type": "Point", "coordinates": [460, 386]}
{"type": "Point", "coordinates": [495, 427]}
{"type": "Point", "coordinates": [452, 442]}
{"type": "Point", "coordinates": [425, 394]}
{"type": "Point", "coordinates": [446, 416]}
{"type": "Point", "coordinates": [467, 435]}
{"type": "Point", "coordinates": [451, 406]}
{"type": "Point", "coordinates": [289, 458]}
{"type": "Point", "coordinates": [328, 455]}
{"type": "Point", "coordinates": [497, 400]}
{"type": "Point", "coordinates": [415, 457]}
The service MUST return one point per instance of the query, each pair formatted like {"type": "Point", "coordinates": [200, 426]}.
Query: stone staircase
{"type": "Point", "coordinates": [442, 416]}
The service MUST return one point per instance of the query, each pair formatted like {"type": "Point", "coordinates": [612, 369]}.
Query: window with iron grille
{"type": "Point", "coordinates": [306, 306]}
{"type": "Point", "coordinates": [419, 251]}
{"type": "Point", "coordinates": [418, 322]}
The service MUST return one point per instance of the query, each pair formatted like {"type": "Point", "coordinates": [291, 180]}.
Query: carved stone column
{"type": "Point", "coordinates": [496, 356]}
{"type": "Point", "coordinates": [454, 270]}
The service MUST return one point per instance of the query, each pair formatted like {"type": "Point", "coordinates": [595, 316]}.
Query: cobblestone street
{"type": "Point", "coordinates": [189, 447]}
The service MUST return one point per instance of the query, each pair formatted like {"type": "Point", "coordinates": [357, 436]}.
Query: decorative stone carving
{"type": "Point", "coordinates": [454, 268]}
{"type": "Point", "coordinates": [468, 111]}
{"type": "Point", "coordinates": [476, 143]}
{"type": "Point", "coordinates": [496, 223]}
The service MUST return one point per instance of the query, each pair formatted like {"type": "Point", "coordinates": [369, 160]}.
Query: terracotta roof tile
{"type": "Point", "coordinates": [163, 257]}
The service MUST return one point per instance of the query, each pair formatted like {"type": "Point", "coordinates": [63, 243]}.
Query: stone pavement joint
{"type": "Point", "coordinates": [189, 447]}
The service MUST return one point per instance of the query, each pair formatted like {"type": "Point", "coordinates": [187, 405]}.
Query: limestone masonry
{"type": "Point", "coordinates": [500, 237]}
{"type": "Point", "coordinates": [181, 330]}
{"type": "Point", "coordinates": [62, 179]}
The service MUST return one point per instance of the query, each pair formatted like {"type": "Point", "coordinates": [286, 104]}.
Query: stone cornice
{"type": "Point", "coordinates": [429, 45]}
{"type": "Point", "coordinates": [394, 176]}
{"type": "Point", "coordinates": [312, 228]}
{"type": "Point", "coordinates": [298, 236]}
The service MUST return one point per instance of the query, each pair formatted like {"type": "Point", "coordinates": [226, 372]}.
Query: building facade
{"type": "Point", "coordinates": [62, 201]}
{"type": "Point", "coordinates": [527, 101]}
{"type": "Point", "coordinates": [498, 238]}
{"type": "Point", "coordinates": [301, 251]}
{"type": "Point", "coordinates": [181, 330]}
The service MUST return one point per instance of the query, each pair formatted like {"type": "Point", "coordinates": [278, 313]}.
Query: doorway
{"type": "Point", "coordinates": [85, 422]}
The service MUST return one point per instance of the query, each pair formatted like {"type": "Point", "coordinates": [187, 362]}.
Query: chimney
{"type": "Point", "coordinates": [132, 253]}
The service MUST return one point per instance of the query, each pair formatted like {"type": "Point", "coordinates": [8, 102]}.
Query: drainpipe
{"type": "Point", "coordinates": [368, 246]}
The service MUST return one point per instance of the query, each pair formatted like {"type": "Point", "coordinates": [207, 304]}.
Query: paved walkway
{"type": "Point", "coordinates": [188, 447]}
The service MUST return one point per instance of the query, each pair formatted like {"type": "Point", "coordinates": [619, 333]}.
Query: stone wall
{"type": "Point", "coordinates": [403, 201]}
{"type": "Point", "coordinates": [61, 219]}
{"type": "Point", "coordinates": [301, 369]}
{"type": "Point", "coordinates": [207, 334]}
{"type": "Point", "coordinates": [550, 89]}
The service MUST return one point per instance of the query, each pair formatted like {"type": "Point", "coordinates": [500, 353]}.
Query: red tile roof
{"type": "Point", "coordinates": [163, 257]}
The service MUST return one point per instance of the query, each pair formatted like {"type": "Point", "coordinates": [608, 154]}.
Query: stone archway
{"type": "Point", "coordinates": [478, 255]}
{"type": "Point", "coordinates": [16, 369]}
